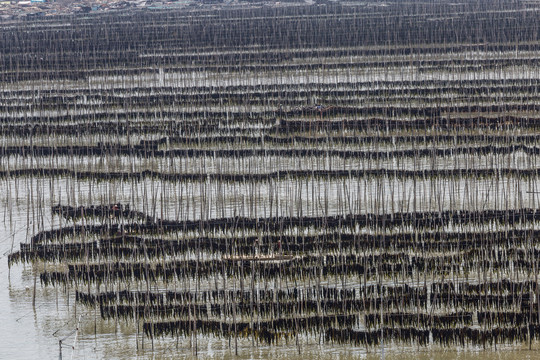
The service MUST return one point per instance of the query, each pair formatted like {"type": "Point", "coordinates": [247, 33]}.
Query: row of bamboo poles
{"type": "Point", "coordinates": [339, 174]}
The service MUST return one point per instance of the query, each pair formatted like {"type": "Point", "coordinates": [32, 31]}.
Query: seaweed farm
{"type": "Point", "coordinates": [272, 180]}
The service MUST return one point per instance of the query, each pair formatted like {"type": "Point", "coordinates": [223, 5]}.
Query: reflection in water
{"type": "Point", "coordinates": [55, 317]}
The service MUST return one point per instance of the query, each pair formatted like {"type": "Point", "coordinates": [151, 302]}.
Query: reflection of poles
{"type": "Point", "coordinates": [535, 269]}
{"type": "Point", "coordinates": [11, 252]}
{"type": "Point", "coordinates": [61, 341]}
{"type": "Point", "coordinates": [382, 328]}
{"type": "Point", "coordinates": [76, 337]}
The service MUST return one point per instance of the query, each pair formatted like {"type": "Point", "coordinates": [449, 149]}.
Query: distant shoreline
{"type": "Point", "coordinates": [18, 10]}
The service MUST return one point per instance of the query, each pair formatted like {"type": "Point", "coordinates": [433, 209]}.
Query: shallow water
{"type": "Point", "coordinates": [34, 331]}
{"type": "Point", "coordinates": [31, 332]}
